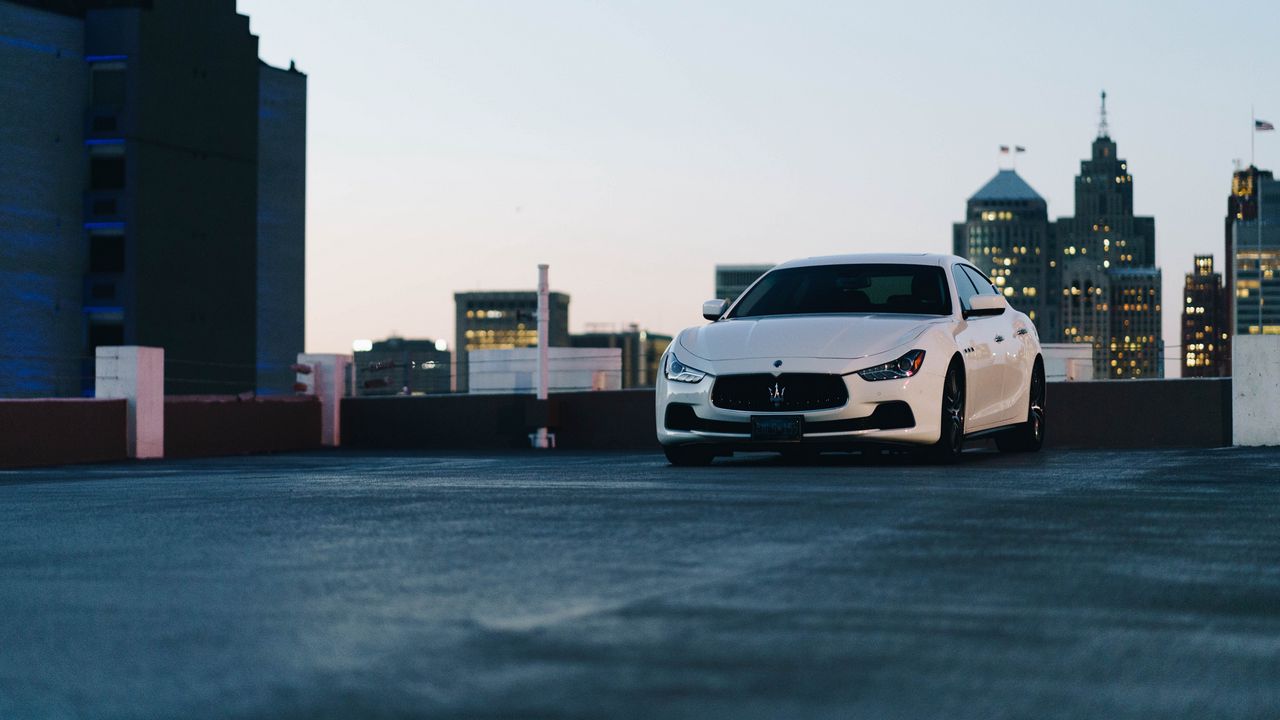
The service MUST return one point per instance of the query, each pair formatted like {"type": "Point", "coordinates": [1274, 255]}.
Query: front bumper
{"type": "Point", "coordinates": [890, 412]}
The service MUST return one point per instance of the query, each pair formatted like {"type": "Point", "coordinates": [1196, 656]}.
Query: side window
{"type": "Point", "coordinates": [980, 281]}
{"type": "Point", "coordinates": [964, 286]}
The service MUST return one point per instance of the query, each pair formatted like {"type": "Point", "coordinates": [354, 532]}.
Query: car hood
{"type": "Point", "coordinates": [810, 336]}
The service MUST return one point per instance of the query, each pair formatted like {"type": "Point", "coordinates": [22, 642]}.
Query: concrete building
{"type": "Point", "coordinates": [397, 366]}
{"type": "Point", "coordinates": [641, 351]}
{"type": "Point", "coordinates": [502, 320]}
{"type": "Point", "coordinates": [282, 224]}
{"type": "Point", "coordinates": [1204, 321]}
{"type": "Point", "coordinates": [1006, 234]}
{"type": "Point", "coordinates": [1103, 268]}
{"type": "Point", "coordinates": [1253, 248]}
{"type": "Point", "coordinates": [129, 205]}
{"type": "Point", "coordinates": [731, 280]}
{"type": "Point", "coordinates": [569, 370]}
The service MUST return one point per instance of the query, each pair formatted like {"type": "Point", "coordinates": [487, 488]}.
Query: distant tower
{"type": "Point", "coordinates": [1250, 253]}
{"type": "Point", "coordinates": [1104, 267]}
{"type": "Point", "coordinates": [1204, 323]}
{"type": "Point", "coordinates": [1006, 235]}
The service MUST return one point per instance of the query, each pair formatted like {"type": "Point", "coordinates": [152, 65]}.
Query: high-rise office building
{"type": "Point", "coordinates": [731, 280]}
{"type": "Point", "coordinates": [1253, 251]}
{"type": "Point", "coordinates": [502, 320]}
{"type": "Point", "coordinates": [1204, 323]}
{"type": "Point", "coordinates": [1089, 278]}
{"type": "Point", "coordinates": [641, 352]}
{"type": "Point", "coordinates": [1006, 235]}
{"type": "Point", "coordinates": [1108, 287]}
{"type": "Point", "coordinates": [397, 366]}
{"type": "Point", "coordinates": [133, 195]}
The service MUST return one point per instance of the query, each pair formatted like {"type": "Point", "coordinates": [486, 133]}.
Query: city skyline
{"type": "Point", "coordinates": [650, 144]}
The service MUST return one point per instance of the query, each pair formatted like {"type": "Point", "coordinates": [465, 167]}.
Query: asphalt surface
{"type": "Point", "coordinates": [1060, 585]}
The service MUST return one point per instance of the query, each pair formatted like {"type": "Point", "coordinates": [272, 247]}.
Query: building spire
{"type": "Point", "coordinates": [1103, 130]}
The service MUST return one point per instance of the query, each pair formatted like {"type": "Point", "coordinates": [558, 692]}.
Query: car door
{"type": "Point", "coordinates": [976, 338]}
{"type": "Point", "coordinates": [1005, 352]}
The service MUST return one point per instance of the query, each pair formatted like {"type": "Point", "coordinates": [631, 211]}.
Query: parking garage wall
{"type": "Point", "coordinates": [61, 432]}
{"type": "Point", "coordinates": [1108, 414]}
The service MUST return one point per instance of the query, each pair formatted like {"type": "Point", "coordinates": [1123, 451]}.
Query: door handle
{"type": "Point", "coordinates": [999, 338]}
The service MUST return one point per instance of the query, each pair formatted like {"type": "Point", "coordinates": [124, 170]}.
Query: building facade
{"type": "Point", "coordinates": [1253, 247]}
{"type": "Point", "coordinates": [1204, 321]}
{"type": "Point", "coordinates": [732, 280]}
{"type": "Point", "coordinates": [1006, 235]}
{"type": "Point", "coordinates": [138, 165]}
{"type": "Point", "coordinates": [282, 225]}
{"type": "Point", "coordinates": [502, 320]}
{"type": "Point", "coordinates": [397, 366]}
{"type": "Point", "coordinates": [641, 352]}
{"type": "Point", "coordinates": [1099, 283]}
{"type": "Point", "coordinates": [1104, 265]}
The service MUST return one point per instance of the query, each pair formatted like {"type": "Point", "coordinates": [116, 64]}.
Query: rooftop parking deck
{"type": "Point", "coordinates": [1065, 584]}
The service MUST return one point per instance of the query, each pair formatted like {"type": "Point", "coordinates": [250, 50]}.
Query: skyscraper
{"type": "Point", "coordinates": [1253, 249]}
{"type": "Point", "coordinates": [1006, 235]}
{"type": "Point", "coordinates": [1204, 324]}
{"type": "Point", "coordinates": [134, 196]}
{"type": "Point", "coordinates": [502, 320]}
{"type": "Point", "coordinates": [1104, 268]}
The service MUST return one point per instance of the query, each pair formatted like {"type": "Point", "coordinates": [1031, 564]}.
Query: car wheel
{"type": "Point", "coordinates": [1029, 436]}
{"type": "Point", "coordinates": [689, 455]}
{"type": "Point", "coordinates": [951, 436]}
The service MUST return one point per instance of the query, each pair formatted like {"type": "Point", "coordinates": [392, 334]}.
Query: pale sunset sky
{"type": "Point", "coordinates": [634, 145]}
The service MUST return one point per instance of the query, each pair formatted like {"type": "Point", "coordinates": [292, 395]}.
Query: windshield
{"type": "Point", "coordinates": [864, 288]}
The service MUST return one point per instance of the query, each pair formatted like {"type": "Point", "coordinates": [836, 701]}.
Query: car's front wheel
{"type": "Point", "coordinates": [1028, 436]}
{"type": "Point", "coordinates": [689, 455]}
{"type": "Point", "coordinates": [951, 431]}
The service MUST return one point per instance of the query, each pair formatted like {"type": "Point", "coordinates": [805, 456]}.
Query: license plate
{"type": "Point", "coordinates": [777, 428]}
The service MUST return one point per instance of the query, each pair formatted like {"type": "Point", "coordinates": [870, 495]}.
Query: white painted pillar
{"type": "Point", "coordinates": [137, 375]}
{"type": "Point", "coordinates": [1255, 389]}
{"type": "Point", "coordinates": [327, 381]}
{"type": "Point", "coordinates": [540, 437]}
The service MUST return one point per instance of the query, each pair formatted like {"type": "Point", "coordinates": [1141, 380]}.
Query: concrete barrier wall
{"type": "Point", "coordinates": [1194, 412]}
{"type": "Point", "coordinates": [470, 422]}
{"type": "Point", "coordinates": [204, 426]}
{"type": "Point", "coordinates": [61, 432]}
{"type": "Point", "coordinates": [1109, 414]}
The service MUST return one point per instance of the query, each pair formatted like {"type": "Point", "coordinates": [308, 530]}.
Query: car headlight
{"type": "Point", "coordinates": [903, 367]}
{"type": "Point", "coordinates": [679, 372]}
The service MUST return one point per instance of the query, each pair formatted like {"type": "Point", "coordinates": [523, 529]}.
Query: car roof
{"type": "Point", "coordinates": [877, 258]}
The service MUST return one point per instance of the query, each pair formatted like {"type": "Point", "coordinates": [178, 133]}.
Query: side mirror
{"type": "Point", "coordinates": [713, 309]}
{"type": "Point", "coordinates": [984, 305]}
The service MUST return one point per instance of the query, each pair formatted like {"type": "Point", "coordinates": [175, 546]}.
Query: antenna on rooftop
{"type": "Point", "coordinates": [1103, 130]}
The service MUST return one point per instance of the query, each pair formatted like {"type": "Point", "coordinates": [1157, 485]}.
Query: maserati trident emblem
{"type": "Point", "coordinates": [776, 394]}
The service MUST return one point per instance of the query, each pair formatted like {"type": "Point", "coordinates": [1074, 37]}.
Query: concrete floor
{"type": "Point", "coordinates": [1059, 585]}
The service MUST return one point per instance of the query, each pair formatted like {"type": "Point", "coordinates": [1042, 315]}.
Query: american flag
{"type": "Point", "coordinates": [1263, 125]}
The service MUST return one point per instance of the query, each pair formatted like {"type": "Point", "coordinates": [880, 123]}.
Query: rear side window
{"type": "Point", "coordinates": [980, 281]}
{"type": "Point", "coordinates": [964, 287]}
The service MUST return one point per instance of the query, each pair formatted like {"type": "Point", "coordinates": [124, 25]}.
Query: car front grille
{"type": "Point", "coordinates": [788, 392]}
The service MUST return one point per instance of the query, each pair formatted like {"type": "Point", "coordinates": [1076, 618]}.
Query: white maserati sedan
{"type": "Point", "coordinates": [848, 351]}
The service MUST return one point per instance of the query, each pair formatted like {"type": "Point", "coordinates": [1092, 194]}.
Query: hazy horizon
{"type": "Point", "coordinates": [633, 146]}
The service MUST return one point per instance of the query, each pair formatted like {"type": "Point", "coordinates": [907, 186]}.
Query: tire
{"type": "Point", "coordinates": [951, 428]}
{"type": "Point", "coordinates": [689, 455]}
{"type": "Point", "coordinates": [1028, 436]}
